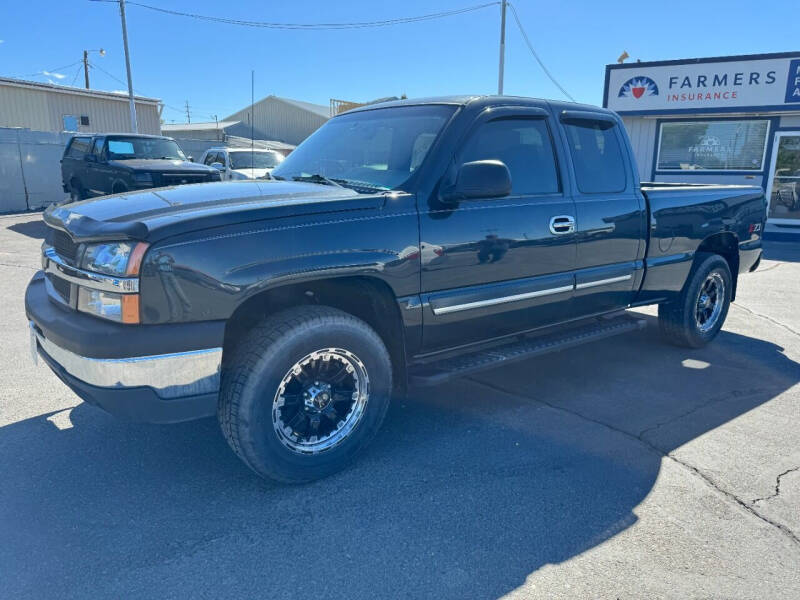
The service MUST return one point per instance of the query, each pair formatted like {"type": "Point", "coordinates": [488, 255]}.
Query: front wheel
{"type": "Point", "coordinates": [304, 393]}
{"type": "Point", "coordinates": [696, 317]}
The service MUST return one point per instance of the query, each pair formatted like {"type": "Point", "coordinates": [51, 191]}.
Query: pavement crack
{"type": "Point", "coordinates": [715, 399]}
{"type": "Point", "coordinates": [777, 491]}
{"type": "Point", "coordinates": [749, 507]}
{"type": "Point", "coordinates": [766, 318]}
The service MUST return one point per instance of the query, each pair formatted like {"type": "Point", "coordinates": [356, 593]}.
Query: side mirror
{"type": "Point", "coordinates": [218, 166]}
{"type": "Point", "coordinates": [480, 179]}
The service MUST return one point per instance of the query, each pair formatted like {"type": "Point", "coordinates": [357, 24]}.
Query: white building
{"type": "Point", "coordinates": [729, 120]}
{"type": "Point", "coordinates": [57, 108]}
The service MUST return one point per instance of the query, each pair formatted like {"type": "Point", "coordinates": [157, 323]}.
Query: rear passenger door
{"type": "Point", "coordinates": [495, 266]}
{"type": "Point", "coordinates": [610, 212]}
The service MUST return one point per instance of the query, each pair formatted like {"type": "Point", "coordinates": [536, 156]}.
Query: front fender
{"type": "Point", "coordinates": [207, 275]}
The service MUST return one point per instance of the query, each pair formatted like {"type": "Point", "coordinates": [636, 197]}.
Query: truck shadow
{"type": "Point", "coordinates": [35, 229]}
{"type": "Point", "coordinates": [465, 493]}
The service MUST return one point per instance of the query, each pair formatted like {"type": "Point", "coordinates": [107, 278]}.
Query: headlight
{"type": "Point", "coordinates": [118, 259]}
{"type": "Point", "coordinates": [110, 259]}
{"type": "Point", "coordinates": [143, 178]}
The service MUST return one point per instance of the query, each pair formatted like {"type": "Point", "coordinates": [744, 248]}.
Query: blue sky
{"type": "Point", "coordinates": [208, 64]}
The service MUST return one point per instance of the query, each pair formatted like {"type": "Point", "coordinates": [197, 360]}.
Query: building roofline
{"type": "Point", "coordinates": [701, 60]}
{"type": "Point", "coordinates": [63, 89]}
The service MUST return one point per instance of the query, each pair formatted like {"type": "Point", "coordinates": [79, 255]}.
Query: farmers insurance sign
{"type": "Point", "coordinates": [767, 83]}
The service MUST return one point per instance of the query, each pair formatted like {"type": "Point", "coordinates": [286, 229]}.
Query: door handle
{"type": "Point", "coordinates": [562, 224]}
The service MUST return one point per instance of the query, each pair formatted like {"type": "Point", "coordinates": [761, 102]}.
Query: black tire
{"type": "Point", "coordinates": [76, 191]}
{"type": "Point", "coordinates": [119, 188]}
{"type": "Point", "coordinates": [679, 321]}
{"type": "Point", "coordinates": [257, 370]}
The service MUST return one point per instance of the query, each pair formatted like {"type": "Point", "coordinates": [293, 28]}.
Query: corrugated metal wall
{"type": "Point", "coordinates": [642, 133]}
{"type": "Point", "coordinates": [30, 172]}
{"type": "Point", "coordinates": [43, 110]}
{"type": "Point", "coordinates": [276, 120]}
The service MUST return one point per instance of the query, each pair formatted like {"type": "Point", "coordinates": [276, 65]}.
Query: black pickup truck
{"type": "Point", "coordinates": [96, 165]}
{"type": "Point", "coordinates": [402, 243]}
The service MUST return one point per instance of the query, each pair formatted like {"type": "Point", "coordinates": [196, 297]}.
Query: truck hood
{"type": "Point", "coordinates": [152, 215]}
{"type": "Point", "coordinates": [155, 164]}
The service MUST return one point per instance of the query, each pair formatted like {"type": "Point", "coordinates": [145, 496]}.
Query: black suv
{"type": "Point", "coordinates": [96, 165]}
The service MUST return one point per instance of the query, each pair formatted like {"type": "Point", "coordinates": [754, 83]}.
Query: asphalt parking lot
{"type": "Point", "coordinates": [621, 469]}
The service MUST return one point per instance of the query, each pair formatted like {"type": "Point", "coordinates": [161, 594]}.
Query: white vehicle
{"type": "Point", "coordinates": [242, 163]}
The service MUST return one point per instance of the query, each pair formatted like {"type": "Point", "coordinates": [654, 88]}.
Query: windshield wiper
{"type": "Point", "coordinates": [317, 178]}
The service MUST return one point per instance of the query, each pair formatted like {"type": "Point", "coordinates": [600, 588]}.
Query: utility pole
{"type": "Point", "coordinates": [86, 68]}
{"type": "Point", "coordinates": [216, 127]}
{"type": "Point", "coordinates": [502, 47]}
{"type": "Point", "coordinates": [134, 128]}
{"type": "Point", "coordinates": [188, 114]}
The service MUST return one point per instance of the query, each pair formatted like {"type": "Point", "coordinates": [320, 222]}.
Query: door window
{"type": "Point", "coordinates": [97, 147]}
{"type": "Point", "coordinates": [211, 157]}
{"type": "Point", "coordinates": [596, 156]}
{"type": "Point", "coordinates": [524, 146]}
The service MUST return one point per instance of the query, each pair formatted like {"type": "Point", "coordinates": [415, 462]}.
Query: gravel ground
{"type": "Point", "coordinates": [621, 469]}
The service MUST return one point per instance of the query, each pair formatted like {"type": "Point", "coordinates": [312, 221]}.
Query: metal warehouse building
{"type": "Point", "coordinates": [280, 119]}
{"type": "Point", "coordinates": [728, 120]}
{"type": "Point", "coordinates": [37, 119]}
{"type": "Point", "coordinates": [48, 107]}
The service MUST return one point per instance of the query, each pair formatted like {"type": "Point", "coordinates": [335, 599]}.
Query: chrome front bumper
{"type": "Point", "coordinates": [191, 373]}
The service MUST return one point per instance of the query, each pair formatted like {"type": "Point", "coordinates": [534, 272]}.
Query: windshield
{"type": "Point", "coordinates": [135, 147]}
{"type": "Point", "coordinates": [375, 149]}
{"type": "Point", "coordinates": [255, 160]}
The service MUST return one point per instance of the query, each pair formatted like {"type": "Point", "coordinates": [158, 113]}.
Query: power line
{"type": "Point", "coordinates": [316, 26]}
{"type": "Point", "coordinates": [118, 80]}
{"type": "Point", "coordinates": [56, 70]}
{"type": "Point", "coordinates": [536, 56]}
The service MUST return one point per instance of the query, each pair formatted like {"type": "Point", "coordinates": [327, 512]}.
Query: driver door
{"type": "Point", "coordinates": [498, 266]}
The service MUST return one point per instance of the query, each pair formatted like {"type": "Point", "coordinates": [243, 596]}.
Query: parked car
{"type": "Point", "coordinates": [410, 242]}
{"type": "Point", "coordinates": [97, 165]}
{"type": "Point", "coordinates": [242, 163]}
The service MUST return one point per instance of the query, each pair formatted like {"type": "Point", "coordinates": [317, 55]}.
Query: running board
{"type": "Point", "coordinates": [434, 373]}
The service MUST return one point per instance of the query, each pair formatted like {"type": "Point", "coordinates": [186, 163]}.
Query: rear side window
{"type": "Point", "coordinates": [597, 156]}
{"type": "Point", "coordinates": [524, 146]}
{"type": "Point", "coordinates": [78, 148]}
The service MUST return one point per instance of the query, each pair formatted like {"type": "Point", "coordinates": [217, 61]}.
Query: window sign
{"type": "Point", "coordinates": [712, 145]}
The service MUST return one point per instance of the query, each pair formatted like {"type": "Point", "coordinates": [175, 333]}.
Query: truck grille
{"type": "Point", "coordinates": [62, 244]}
{"type": "Point", "coordinates": [180, 179]}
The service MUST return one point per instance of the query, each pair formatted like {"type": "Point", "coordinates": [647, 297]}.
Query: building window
{"type": "Point", "coordinates": [70, 123]}
{"type": "Point", "coordinates": [84, 120]}
{"type": "Point", "coordinates": [712, 145]}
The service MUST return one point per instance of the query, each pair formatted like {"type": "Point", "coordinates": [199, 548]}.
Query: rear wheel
{"type": "Point", "coordinates": [304, 393]}
{"type": "Point", "coordinates": [696, 317]}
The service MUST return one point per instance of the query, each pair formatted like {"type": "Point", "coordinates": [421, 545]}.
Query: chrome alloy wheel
{"type": "Point", "coordinates": [320, 400]}
{"type": "Point", "coordinates": [710, 302]}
